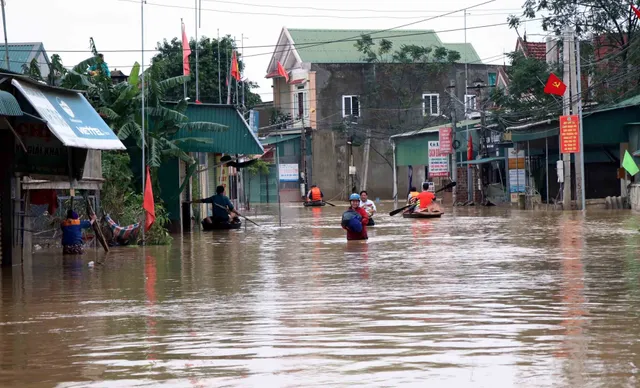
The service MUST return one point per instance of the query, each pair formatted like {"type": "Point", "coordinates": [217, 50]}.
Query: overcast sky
{"type": "Point", "coordinates": [65, 26]}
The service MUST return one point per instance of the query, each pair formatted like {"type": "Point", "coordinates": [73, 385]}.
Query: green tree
{"type": "Point", "coordinates": [169, 64]}
{"type": "Point", "coordinates": [396, 80]}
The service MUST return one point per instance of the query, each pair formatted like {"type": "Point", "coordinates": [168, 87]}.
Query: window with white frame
{"type": "Point", "coordinates": [300, 105]}
{"type": "Point", "coordinates": [470, 102]}
{"type": "Point", "coordinates": [430, 104]}
{"type": "Point", "coordinates": [350, 106]}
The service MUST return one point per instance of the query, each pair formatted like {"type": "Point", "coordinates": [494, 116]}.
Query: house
{"type": "Point", "coordinates": [210, 170]}
{"type": "Point", "coordinates": [22, 54]}
{"type": "Point", "coordinates": [347, 104]}
{"type": "Point", "coordinates": [50, 139]}
{"type": "Point", "coordinates": [117, 76]}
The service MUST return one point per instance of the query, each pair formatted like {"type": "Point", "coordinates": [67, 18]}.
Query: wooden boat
{"type": "Point", "coordinates": [434, 211]}
{"type": "Point", "coordinates": [221, 226]}
{"type": "Point", "coordinates": [314, 203]}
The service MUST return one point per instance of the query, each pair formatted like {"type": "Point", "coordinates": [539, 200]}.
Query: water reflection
{"type": "Point", "coordinates": [482, 297]}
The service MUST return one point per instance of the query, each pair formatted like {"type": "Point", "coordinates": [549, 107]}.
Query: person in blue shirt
{"type": "Point", "coordinates": [222, 214]}
{"type": "Point", "coordinates": [101, 66]}
{"type": "Point", "coordinates": [72, 233]}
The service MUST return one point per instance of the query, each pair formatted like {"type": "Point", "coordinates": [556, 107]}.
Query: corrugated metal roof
{"type": "Point", "coordinates": [238, 139]}
{"type": "Point", "coordinates": [278, 139]}
{"type": "Point", "coordinates": [20, 54]}
{"type": "Point", "coordinates": [312, 46]}
{"type": "Point", "coordinates": [9, 106]}
{"type": "Point", "coordinates": [467, 52]}
{"type": "Point", "coordinates": [460, 124]}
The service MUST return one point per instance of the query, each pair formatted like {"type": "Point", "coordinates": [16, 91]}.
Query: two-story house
{"type": "Point", "coordinates": [343, 99]}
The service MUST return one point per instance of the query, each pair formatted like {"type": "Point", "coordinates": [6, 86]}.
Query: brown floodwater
{"type": "Point", "coordinates": [483, 297]}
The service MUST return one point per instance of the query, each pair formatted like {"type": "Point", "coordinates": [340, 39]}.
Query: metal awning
{"type": "Point", "coordinates": [485, 160]}
{"type": "Point", "coordinates": [278, 139]}
{"type": "Point", "coordinates": [9, 106]}
{"type": "Point", "coordinates": [69, 116]}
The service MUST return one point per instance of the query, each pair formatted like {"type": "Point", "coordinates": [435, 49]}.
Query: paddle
{"type": "Point", "coordinates": [329, 203]}
{"type": "Point", "coordinates": [229, 211]}
{"type": "Point", "coordinates": [394, 212]}
{"type": "Point", "coordinates": [96, 226]}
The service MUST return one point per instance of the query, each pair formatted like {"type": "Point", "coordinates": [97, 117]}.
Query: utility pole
{"type": "Point", "coordinates": [566, 110]}
{"type": "Point", "coordinates": [365, 156]}
{"type": "Point", "coordinates": [466, 108]}
{"type": "Point", "coordinates": [197, 50]}
{"type": "Point", "coordinates": [454, 162]}
{"type": "Point", "coordinates": [303, 157]}
{"type": "Point", "coordinates": [580, 155]}
{"type": "Point", "coordinates": [6, 42]}
{"type": "Point", "coordinates": [219, 74]}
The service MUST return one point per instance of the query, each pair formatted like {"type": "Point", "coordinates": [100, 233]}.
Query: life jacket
{"type": "Point", "coordinates": [352, 220]}
{"type": "Point", "coordinates": [316, 194]}
{"type": "Point", "coordinates": [414, 194]}
{"type": "Point", "coordinates": [69, 222]}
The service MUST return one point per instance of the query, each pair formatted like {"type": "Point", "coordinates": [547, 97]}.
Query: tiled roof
{"type": "Point", "coordinates": [338, 46]}
{"type": "Point", "coordinates": [536, 50]}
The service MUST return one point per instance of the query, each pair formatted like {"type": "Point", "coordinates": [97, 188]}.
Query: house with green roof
{"type": "Point", "coordinates": [21, 54]}
{"type": "Point", "coordinates": [328, 88]}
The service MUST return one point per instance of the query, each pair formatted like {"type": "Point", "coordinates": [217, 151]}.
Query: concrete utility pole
{"type": "Point", "coordinates": [576, 91]}
{"type": "Point", "coordinates": [365, 156]}
{"type": "Point", "coordinates": [454, 162]}
{"type": "Point", "coordinates": [566, 110]}
{"type": "Point", "coordinates": [6, 42]}
{"type": "Point", "coordinates": [303, 156]}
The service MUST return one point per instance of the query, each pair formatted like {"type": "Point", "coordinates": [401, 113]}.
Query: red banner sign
{"type": "Point", "coordinates": [569, 134]}
{"type": "Point", "coordinates": [445, 140]}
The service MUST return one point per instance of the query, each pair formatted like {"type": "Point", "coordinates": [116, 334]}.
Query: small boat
{"type": "Point", "coordinates": [314, 203]}
{"type": "Point", "coordinates": [221, 225]}
{"type": "Point", "coordinates": [434, 211]}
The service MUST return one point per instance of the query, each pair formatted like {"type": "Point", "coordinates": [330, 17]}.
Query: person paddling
{"type": "Point", "coordinates": [424, 199]}
{"type": "Point", "coordinates": [355, 220]}
{"type": "Point", "coordinates": [315, 194]}
{"type": "Point", "coordinates": [368, 206]}
{"type": "Point", "coordinates": [220, 215]}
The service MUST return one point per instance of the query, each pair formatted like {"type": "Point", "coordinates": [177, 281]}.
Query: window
{"type": "Point", "coordinates": [493, 79]}
{"type": "Point", "coordinates": [431, 104]}
{"type": "Point", "coordinates": [350, 106]}
{"type": "Point", "coordinates": [469, 102]}
{"type": "Point", "coordinates": [300, 105]}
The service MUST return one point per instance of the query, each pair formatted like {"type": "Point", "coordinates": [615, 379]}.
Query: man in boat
{"type": "Point", "coordinates": [368, 206]}
{"type": "Point", "coordinates": [355, 220]}
{"type": "Point", "coordinates": [315, 194]}
{"type": "Point", "coordinates": [413, 193]}
{"type": "Point", "coordinates": [424, 199]}
{"type": "Point", "coordinates": [72, 233]}
{"type": "Point", "coordinates": [221, 215]}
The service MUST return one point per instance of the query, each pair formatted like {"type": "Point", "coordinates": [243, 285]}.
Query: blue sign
{"type": "Point", "coordinates": [254, 120]}
{"type": "Point", "coordinates": [70, 117]}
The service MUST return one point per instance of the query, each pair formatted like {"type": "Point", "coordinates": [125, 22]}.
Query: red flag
{"type": "Point", "coordinates": [555, 86]}
{"type": "Point", "coordinates": [470, 149]}
{"type": "Point", "coordinates": [282, 72]}
{"type": "Point", "coordinates": [186, 51]}
{"type": "Point", "coordinates": [148, 205]}
{"type": "Point", "coordinates": [636, 10]}
{"type": "Point", "coordinates": [235, 70]}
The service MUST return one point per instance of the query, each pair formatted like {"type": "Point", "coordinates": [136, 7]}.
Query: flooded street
{"type": "Point", "coordinates": [483, 297]}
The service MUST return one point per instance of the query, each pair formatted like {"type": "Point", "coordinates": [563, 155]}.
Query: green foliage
{"type": "Point", "coordinates": [526, 96]}
{"type": "Point", "coordinates": [32, 69]}
{"type": "Point", "coordinates": [395, 82]}
{"type": "Point", "coordinates": [169, 62]}
{"type": "Point", "coordinates": [258, 167]}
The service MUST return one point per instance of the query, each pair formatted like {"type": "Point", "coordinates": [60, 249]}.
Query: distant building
{"type": "Point", "coordinates": [22, 54]}
{"type": "Point", "coordinates": [117, 76]}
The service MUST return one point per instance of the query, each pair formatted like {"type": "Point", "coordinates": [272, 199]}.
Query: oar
{"type": "Point", "coordinates": [229, 211]}
{"type": "Point", "coordinates": [329, 203]}
{"type": "Point", "coordinates": [394, 212]}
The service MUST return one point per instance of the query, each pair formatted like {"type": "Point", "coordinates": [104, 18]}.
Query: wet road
{"type": "Point", "coordinates": [487, 297]}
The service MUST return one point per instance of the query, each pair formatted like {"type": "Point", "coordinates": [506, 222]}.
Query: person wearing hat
{"type": "Point", "coordinates": [355, 219]}
{"type": "Point", "coordinates": [72, 233]}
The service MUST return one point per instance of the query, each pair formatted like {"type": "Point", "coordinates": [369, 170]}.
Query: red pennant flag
{"type": "Point", "coordinates": [555, 86]}
{"type": "Point", "coordinates": [235, 70]}
{"type": "Point", "coordinates": [470, 149]}
{"type": "Point", "coordinates": [148, 205]}
{"type": "Point", "coordinates": [282, 72]}
{"type": "Point", "coordinates": [636, 10]}
{"type": "Point", "coordinates": [186, 51]}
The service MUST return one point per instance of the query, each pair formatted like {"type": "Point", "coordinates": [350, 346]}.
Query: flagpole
{"type": "Point", "coordinates": [219, 75]}
{"type": "Point", "coordinates": [184, 85]}
{"type": "Point", "coordinates": [6, 42]}
{"type": "Point", "coordinates": [235, 44]}
{"type": "Point", "coordinates": [197, 75]}
{"type": "Point", "coordinates": [229, 78]}
{"type": "Point", "coordinates": [241, 70]}
{"type": "Point", "coordinates": [142, 107]}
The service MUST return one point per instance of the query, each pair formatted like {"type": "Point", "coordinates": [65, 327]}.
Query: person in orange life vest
{"type": "Point", "coordinates": [425, 198]}
{"type": "Point", "coordinates": [315, 194]}
{"type": "Point", "coordinates": [354, 233]}
{"type": "Point", "coordinates": [72, 233]}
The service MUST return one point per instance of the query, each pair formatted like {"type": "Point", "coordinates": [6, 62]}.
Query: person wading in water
{"type": "Point", "coordinates": [72, 233]}
{"type": "Point", "coordinates": [355, 220]}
